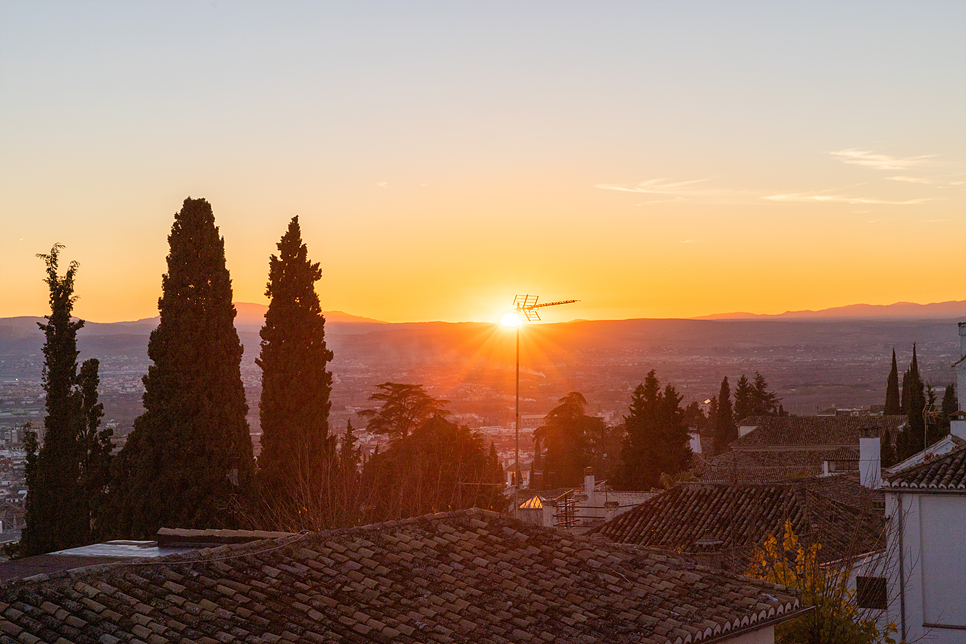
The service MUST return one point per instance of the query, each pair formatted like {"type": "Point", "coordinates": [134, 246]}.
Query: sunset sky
{"type": "Point", "coordinates": [651, 159]}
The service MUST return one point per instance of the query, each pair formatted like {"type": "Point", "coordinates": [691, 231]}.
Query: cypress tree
{"type": "Point", "coordinates": [188, 463]}
{"type": "Point", "coordinates": [54, 518]}
{"type": "Point", "coordinates": [296, 385]}
{"type": "Point", "coordinates": [910, 439]}
{"type": "Point", "coordinates": [744, 398]}
{"type": "Point", "coordinates": [893, 405]}
{"type": "Point", "coordinates": [764, 402]}
{"type": "Point", "coordinates": [725, 428]}
{"type": "Point", "coordinates": [950, 405]}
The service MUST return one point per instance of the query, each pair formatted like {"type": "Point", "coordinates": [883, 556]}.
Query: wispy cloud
{"type": "Point", "coordinates": [804, 197]}
{"type": "Point", "coordinates": [688, 241]}
{"type": "Point", "coordinates": [870, 159]}
{"type": "Point", "coordinates": [658, 187]}
{"type": "Point", "coordinates": [909, 180]}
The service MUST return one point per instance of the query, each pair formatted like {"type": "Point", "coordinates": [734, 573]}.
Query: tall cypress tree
{"type": "Point", "coordinates": [725, 428]}
{"type": "Point", "coordinates": [188, 463]}
{"type": "Point", "coordinates": [294, 409]}
{"type": "Point", "coordinates": [893, 405]}
{"type": "Point", "coordinates": [54, 517]}
{"type": "Point", "coordinates": [744, 398]}
{"type": "Point", "coordinates": [910, 440]}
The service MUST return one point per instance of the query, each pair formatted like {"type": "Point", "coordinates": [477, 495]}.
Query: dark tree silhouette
{"type": "Point", "coordinates": [67, 476]}
{"type": "Point", "coordinates": [910, 439]}
{"type": "Point", "coordinates": [725, 429]}
{"type": "Point", "coordinates": [763, 401]}
{"type": "Point", "coordinates": [296, 384]}
{"type": "Point", "coordinates": [656, 439]}
{"type": "Point", "coordinates": [437, 467]}
{"type": "Point", "coordinates": [950, 405]}
{"type": "Point", "coordinates": [404, 408]}
{"type": "Point", "coordinates": [189, 463]}
{"type": "Point", "coordinates": [567, 435]}
{"type": "Point", "coordinates": [893, 404]}
{"type": "Point", "coordinates": [744, 399]}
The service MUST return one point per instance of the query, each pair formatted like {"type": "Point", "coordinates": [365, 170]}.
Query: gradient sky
{"type": "Point", "coordinates": [652, 159]}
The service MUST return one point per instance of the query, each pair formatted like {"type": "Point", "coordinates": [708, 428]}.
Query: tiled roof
{"type": "Point", "coordinates": [811, 431]}
{"type": "Point", "coordinates": [471, 576]}
{"type": "Point", "coordinates": [703, 518]}
{"type": "Point", "coordinates": [761, 466]}
{"type": "Point", "coordinates": [946, 472]}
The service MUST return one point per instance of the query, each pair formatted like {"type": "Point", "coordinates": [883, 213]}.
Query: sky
{"type": "Point", "coordinates": [650, 159]}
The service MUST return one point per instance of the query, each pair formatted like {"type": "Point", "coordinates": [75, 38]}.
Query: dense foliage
{"type": "Point", "coordinates": [564, 444]}
{"type": "Point", "coordinates": [189, 463]}
{"type": "Point", "coordinates": [893, 405]}
{"type": "Point", "coordinates": [67, 475]}
{"type": "Point", "coordinates": [296, 384]}
{"type": "Point", "coordinates": [656, 441]}
{"type": "Point", "coordinates": [725, 428]}
{"type": "Point", "coordinates": [404, 408]}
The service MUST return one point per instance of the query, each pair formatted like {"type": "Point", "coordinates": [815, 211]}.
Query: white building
{"type": "Point", "coordinates": [926, 510]}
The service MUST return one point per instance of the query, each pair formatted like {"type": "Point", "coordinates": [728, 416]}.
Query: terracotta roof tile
{"type": "Point", "coordinates": [461, 577]}
{"type": "Point", "coordinates": [946, 472]}
{"type": "Point", "coordinates": [709, 519]}
{"type": "Point", "coordinates": [812, 431]}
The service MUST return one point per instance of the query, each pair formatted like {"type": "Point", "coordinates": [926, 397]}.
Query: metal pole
{"type": "Point", "coordinates": [518, 481]}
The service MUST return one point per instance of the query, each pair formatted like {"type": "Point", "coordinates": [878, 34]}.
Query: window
{"type": "Point", "coordinates": [870, 592]}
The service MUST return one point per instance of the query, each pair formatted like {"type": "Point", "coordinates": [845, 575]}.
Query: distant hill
{"type": "Point", "coordinates": [897, 311]}
{"type": "Point", "coordinates": [253, 315]}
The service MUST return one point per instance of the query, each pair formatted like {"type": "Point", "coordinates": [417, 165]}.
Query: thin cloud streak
{"type": "Point", "coordinates": [909, 180]}
{"type": "Point", "coordinates": [657, 187]}
{"type": "Point", "coordinates": [824, 198]}
{"type": "Point", "coordinates": [870, 159]}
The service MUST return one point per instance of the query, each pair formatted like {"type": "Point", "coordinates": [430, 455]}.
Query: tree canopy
{"type": "Point", "coordinates": [404, 408]}
{"type": "Point", "coordinates": [656, 441]}
{"type": "Point", "coordinates": [893, 405]}
{"type": "Point", "coordinates": [725, 428]}
{"type": "Point", "coordinates": [188, 462]}
{"type": "Point", "coordinates": [567, 439]}
{"type": "Point", "coordinates": [296, 384]}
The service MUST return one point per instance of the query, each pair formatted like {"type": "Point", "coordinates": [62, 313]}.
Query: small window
{"type": "Point", "coordinates": [870, 592]}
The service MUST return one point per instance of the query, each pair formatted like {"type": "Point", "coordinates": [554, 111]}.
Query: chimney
{"type": "Point", "coordinates": [589, 484]}
{"type": "Point", "coordinates": [870, 458]}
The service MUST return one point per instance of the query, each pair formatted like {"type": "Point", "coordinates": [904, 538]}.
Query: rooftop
{"type": "Point", "coordinates": [812, 432]}
{"type": "Point", "coordinates": [942, 473]}
{"type": "Point", "coordinates": [703, 519]}
{"type": "Point", "coordinates": [470, 576]}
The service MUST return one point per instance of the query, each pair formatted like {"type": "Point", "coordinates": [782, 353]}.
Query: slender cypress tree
{"type": "Point", "coordinates": [188, 463]}
{"type": "Point", "coordinates": [893, 405]}
{"type": "Point", "coordinates": [744, 398]}
{"type": "Point", "coordinates": [910, 440]}
{"type": "Point", "coordinates": [725, 428]}
{"type": "Point", "coordinates": [294, 409]}
{"type": "Point", "coordinates": [54, 517]}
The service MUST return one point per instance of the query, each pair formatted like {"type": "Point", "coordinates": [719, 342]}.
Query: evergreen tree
{"type": "Point", "coordinates": [725, 429]}
{"type": "Point", "coordinates": [296, 384]}
{"type": "Point", "coordinates": [57, 512]}
{"type": "Point", "coordinates": [656, 441]}
{"type": "Point", "coordinates": [910, 439]}
{"type": "Point", "coordinates": [404, 409]}
{"type": "Point", "coordinates": [744, 399]}
{"type": "Point", "coordinates": [96, 445]}
{"type": "Point", "coordinates": [893, 405]}
{"type": "Point", "coordinates": [950, 405]}
{"type": "Point", "coordinates": [188, 463]}
{"type": "Point", "coordinates": [567, 435]}
{"type": "Point", "coordinates": [763, 402]}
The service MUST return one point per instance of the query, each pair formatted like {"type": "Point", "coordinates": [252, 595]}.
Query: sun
{"type": "Point", "coordinates": [510, 319]}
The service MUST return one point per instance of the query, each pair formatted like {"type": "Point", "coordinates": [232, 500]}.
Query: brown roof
{"type": "Point", "coordinates": [946, 472]}
{"type": "Point", "coordinates": [761, 466]}
{"type": "Point", "coordinates": [702, 518]}
{"type": "Point", "coordinates": [812, 431]}
{"type": "Point", "coordinates": [471, 576]}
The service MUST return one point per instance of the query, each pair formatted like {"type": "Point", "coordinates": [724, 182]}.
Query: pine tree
{"type": "Point", "coordinates": [893, 405]}
{"type": "Point", "coordinates": [296, 385]}
{"type": "Point", "coordinates": [744, 399]}
{"type": "Point", "coordinates": [567, 435]}
{"type": "Point", "coordinates": [725, 428]}
{"type": "Point", "coordinates": [763, 402]}
{"type": "Point", "coordinates": [188, 463]}
{"type": "Point", "coordinates": [657, 441]}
